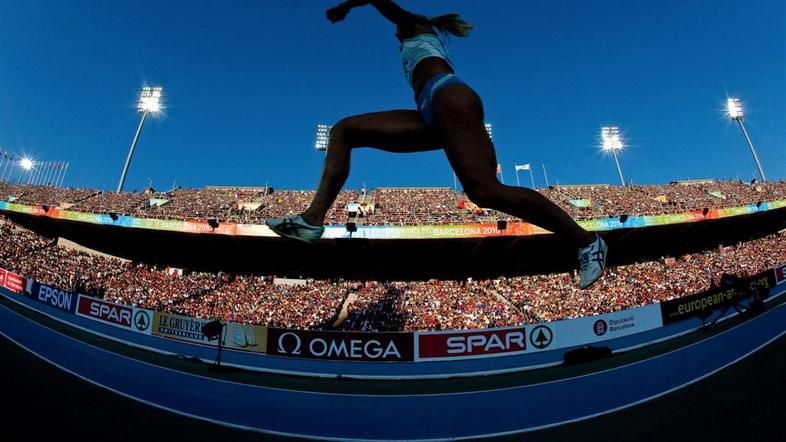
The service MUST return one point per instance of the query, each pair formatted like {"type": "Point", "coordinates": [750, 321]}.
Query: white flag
{"type": "Point", "coordinates": [522, 167]}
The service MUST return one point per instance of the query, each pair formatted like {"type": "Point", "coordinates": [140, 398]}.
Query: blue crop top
{"type": "Point", "coordinates": [415, 49]}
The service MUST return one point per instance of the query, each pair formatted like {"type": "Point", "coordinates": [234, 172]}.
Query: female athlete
{"type": "Point", "coordinates": [449, 116]}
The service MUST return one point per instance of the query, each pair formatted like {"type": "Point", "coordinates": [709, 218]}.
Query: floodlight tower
{"type": "Point", "coordinates": [490, 131]}
{"type": "Point", "coordinates": [323, 137]}
{"type": "Point", "coordinates": [149, 103]}
{"type": "Point", "coordinates": [735, 113]}
{"type": "Point", "coordinates": [613, 142]}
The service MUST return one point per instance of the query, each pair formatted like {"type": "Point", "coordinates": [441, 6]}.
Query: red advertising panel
{"type": "Point", "coordinates": [343, 346]}
{"type": "Point", "coordinates": [472, 343]}
{"type": "Point", "coordinates": [2, 277]}
{"type": "Point", "coordinates": [105, 311]}
{"type": "Point", "coordinates": [780, 274]}
{"type": "Point", "coordinates": [13, 281]}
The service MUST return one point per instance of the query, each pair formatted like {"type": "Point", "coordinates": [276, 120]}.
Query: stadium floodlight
{"type": "Point", "coordinates": [612, 142]}
{"type": "Point", "coordinates": [26, 163]}
{"type": "Point", "coordinates": [734, 110]}
{"type": "Point", "coordinates": [149, 103]}
{"type": "Point", "coordinates": [490, 131]}
{"type": "Point", "coordinates": [323, 137]}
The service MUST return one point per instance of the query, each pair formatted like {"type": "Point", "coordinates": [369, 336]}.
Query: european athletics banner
{"type": "Point", "coordinates": [557, 335]}
{"type": "Point", "coordinates": [702, 304]}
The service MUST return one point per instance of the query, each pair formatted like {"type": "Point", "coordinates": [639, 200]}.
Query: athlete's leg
{"type": "Point", "coordinates": [392, 131]}
{"type": "Point", "coordinates": [459, 116]}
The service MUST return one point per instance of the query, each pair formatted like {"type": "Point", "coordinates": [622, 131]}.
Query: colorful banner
{"type": "Point", "coordinates": [702, 304]}
{"type": "Point", "coordinates": [390, 232]}
{"type": "Point", "coordinates": [340, 346]}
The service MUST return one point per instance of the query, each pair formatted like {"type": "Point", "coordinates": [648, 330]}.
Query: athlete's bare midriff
{"type": "Point", "coordinates": [427, 68]}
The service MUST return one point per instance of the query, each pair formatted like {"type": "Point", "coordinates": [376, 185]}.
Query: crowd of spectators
{"type": "Point", "coordinates": [395, 206]}
{"type": "Point", "coordinates": [379, 305]}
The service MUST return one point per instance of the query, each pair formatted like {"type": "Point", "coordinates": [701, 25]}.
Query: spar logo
{"type": "Point", "coordinates": [142, 321]}
{"type": "Point", "coordinates": [780, 274]}
{"type": "Point", "coordinates": [341, 346]}
{"type": "Point", "coordinates": [476, 343]}
{"type": "Point", "coordinates": [600, 327]}
{"type": "Point", "coordinates": [540, 337]}
{"type": "Point", "coordinates": [106, 312]}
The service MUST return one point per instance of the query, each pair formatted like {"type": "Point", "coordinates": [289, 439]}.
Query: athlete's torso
{"type": "Point", "coordinates": [428, 66]}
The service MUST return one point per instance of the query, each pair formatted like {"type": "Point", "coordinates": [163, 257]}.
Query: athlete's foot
{"type": "Point", "coordinates": [592, 261]}
{"type": "Point", "coordinates": [295, 227]}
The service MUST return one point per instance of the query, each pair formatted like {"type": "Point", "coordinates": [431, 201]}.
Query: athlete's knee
{"type": "Point", "coordinates": [344, 132]}
{"type": "Point", "coordinates": [485, 193]}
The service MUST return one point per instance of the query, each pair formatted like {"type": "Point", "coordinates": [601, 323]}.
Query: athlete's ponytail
{"type": "Point", "coordinates": [451, 23]}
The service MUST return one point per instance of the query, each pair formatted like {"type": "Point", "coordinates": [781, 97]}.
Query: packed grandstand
{"type": "Point", "coordinates": [384, 305]}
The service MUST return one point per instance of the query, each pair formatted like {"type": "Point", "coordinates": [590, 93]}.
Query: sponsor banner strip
{"type": "Point", "coordinates": [468, 344]}
{"type": "Point", "coordinates": [388, 232]}
{"type": "Point", "coordinates": [702, 304]}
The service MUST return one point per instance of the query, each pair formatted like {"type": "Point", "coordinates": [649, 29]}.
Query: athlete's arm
{"type": "Point", "coordinates": [389, 9]}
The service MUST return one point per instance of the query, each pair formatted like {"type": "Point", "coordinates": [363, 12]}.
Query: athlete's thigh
{"type": "Point", "coordinates": [392, 131]}
{"type": "Point", "coordinates": [459, 115]}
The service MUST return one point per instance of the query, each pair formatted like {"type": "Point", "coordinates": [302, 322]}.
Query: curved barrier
{"type": "Point", "coordinates": [426, 415]}
{"type": "Point", "coordinates": [393, 355]}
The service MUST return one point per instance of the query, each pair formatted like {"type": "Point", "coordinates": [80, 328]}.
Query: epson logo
{"type": "Point", "coordinates": [110, 313]}
{"type": "Point", "coordinates": [55, 297]}
{"type": "Point", "coordinates": [512, 340]}
{"type": "Point", "coordinates": [338, 348]}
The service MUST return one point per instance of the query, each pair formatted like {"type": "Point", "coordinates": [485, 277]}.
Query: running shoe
{"type": "Point", "coordinates": [592, 261]}
{"type": "Point", "coordinates": [295, 227]}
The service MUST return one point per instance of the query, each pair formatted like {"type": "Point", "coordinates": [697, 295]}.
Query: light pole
{"type": "Point", "coordinates": [149, 102]}
{"type": "Point", "coordinates": [735, 113]}
{"type": "Point", "coordinates": [613, 142]}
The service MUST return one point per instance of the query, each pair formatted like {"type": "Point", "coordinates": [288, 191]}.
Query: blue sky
{"type": "Point", "coordinates": [247, 82]}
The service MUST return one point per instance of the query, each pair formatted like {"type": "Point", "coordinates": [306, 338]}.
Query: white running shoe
{"type": "Point", "coordinates": [592, 261]}
{"type": "Point", "coordinates": [296, 227]}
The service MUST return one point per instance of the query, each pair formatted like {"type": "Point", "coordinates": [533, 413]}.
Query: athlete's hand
{"type": "Point", "coordinates": [337, 13]}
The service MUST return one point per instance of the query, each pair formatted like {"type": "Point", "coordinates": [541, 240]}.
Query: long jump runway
{"type": "Point", "coordinates": [351, 415]}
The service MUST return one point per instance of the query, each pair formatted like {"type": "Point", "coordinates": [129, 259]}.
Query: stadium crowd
{"type": "Point", "coordinates": [378, 305]}
{"type": "Point", "coordinates": [395, 206]}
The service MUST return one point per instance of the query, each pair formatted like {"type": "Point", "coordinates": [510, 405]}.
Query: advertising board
{"type": "Point", "coordinates": [466, 344]}
{"type": "Point", "coordinates": [132, 318]}
{"type": "Point", "coordinates": [53, 296]}
{"type": "Point", "coordinates": [344, 346]}
{"type": "Point", "coordinates": [701, 304]}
